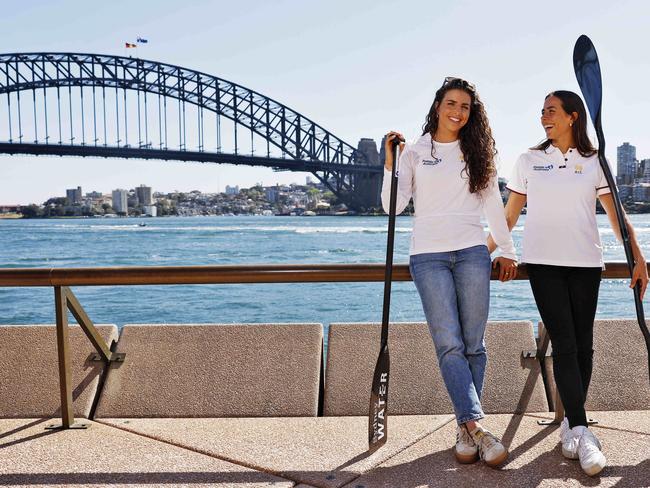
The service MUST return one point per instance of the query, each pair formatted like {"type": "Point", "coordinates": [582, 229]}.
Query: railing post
{"type": "Point", "coordinates": [63, 352]}
{"type": "Point", "coordinates": [65, 376]}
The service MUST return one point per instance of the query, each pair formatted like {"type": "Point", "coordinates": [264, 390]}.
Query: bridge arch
{"type": "Point", "coordinates": [304, 144]}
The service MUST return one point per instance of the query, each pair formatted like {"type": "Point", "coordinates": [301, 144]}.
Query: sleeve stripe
{"type": "Point", "coordinates": [601, 187]}
{"type": "Point", "coordinates": [515, 191]}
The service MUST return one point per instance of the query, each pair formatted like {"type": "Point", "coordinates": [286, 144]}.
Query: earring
{"type": "Point", "coordinates": [570, 124]}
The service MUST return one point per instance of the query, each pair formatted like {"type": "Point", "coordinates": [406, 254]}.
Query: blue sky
{"type": "Point", "coordinates": [357, 68]}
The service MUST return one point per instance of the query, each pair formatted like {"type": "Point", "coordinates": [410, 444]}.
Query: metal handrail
{"type": "Point", "coordinates": [252, 273]}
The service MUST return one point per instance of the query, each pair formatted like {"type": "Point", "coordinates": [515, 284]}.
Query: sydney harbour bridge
{"type": "Point", "coordinates": [93, 105]}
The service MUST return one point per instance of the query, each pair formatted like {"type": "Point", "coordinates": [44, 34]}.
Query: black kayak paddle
{"type": "Point", "coordinates": [587, 69]}
{"type": "Point", "coordinates": [377, 415]}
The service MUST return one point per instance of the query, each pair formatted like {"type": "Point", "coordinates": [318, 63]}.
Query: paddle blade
{"type": "Point", "coordinates": [587, 69]}
{"type": "Point", "coordinates": [377, 418]}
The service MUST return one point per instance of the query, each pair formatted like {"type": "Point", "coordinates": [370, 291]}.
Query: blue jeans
{"type": "Point", "coordinates": [455, 291]}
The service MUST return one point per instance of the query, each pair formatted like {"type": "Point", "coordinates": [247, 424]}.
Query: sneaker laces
{"type": "Point", "coordinates": [463, 436]}
{"type": "Point", "coordinates": [485, 440]}
{"type": "Point", "coordinates": [589, 442]}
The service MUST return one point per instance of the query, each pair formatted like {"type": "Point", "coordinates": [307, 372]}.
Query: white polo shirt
{"type": "Point", "coordinates": [561, 191]}
{"type": "Point", "coordinates": [447, 215]}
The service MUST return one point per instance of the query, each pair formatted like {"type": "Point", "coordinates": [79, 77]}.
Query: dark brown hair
{"type": "Point", "coordinates": [571, 102]}
{"type": "Point", "coordinates": [476, 141]}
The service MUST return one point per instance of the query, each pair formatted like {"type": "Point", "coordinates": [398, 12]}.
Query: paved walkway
{"type": "Point", "coordinates": [326, 452]}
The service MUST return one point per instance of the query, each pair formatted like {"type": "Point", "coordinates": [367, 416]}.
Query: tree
{"type": "Point", "coordinates": [31, 211]}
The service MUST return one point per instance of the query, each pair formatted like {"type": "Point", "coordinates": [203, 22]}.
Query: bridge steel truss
{"type": "Point", "coordinates": [303, 144]}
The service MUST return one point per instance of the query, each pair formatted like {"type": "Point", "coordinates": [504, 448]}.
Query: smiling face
{"type": "Point", "coordinates": [453, 112]}
{"type": "Point", "coordinates": [556, 122]}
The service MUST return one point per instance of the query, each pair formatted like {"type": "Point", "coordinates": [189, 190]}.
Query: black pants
{"type": "Point", "coordinates": [566, 298]}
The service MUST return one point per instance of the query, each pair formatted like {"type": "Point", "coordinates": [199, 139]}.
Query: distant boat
{"type": "Point", "coordinates": [142, 224]}
{"type": "Point", "coordinates": [309, 213]}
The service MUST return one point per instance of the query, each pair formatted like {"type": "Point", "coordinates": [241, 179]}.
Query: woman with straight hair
{"type": "Point", "coordinates": [560, 180]}
{"type": "Point", "coordinates": [449, 171]}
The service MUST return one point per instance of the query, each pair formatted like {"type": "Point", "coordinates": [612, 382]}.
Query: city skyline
{"type": "Point", "coordinates": [330, 62]}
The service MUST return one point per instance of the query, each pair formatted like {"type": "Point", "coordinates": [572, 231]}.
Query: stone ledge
{"type": "Point", "coordinates": [29, 373]}
{"type": "Point", "coordinates": [215, 370]}
{"type": "Point", "coordinates": [416, 386]}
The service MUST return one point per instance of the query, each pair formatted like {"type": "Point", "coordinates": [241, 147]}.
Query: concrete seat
{"type": "Point", "coordinates": [233, 370]}
{"type": "Point", "coordinates": [620, 373]}
{"type": "Point", "coordinates": [29, 374]}
{"type": "Point", "coordinates": [416, 386]}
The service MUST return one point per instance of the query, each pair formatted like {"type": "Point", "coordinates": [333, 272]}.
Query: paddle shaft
{"type": "Point", "coordinates": [390, 244]}
{"type": "Point", "coordinates": [625, 233]}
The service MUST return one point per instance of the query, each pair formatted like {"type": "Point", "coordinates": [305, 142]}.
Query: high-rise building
{"type": "Point", "coordinates": [625, 164]}
{"type": "Point", "coordinates": [645, 168]}
{"type": "Point", "coordinates": [232, 190]}
{"type": "Point", "coordinates": [144, 195]}
{"type": "Point", "coordinates": [74, 195]}
{"type": "Point", "coordinates": [120, 201]}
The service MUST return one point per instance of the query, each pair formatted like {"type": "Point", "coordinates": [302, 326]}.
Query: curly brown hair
{"type": "Point", "coordinates": [476, 141]}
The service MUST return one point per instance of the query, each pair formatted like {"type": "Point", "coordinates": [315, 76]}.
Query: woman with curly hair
{"type": "Point", "coordinates": [450, 173]}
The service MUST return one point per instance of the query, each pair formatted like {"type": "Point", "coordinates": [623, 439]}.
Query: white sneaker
{"type": "Point", "coordinates": [466, 450]}
{"type": "Point", "coordinates": [569, 439]}
{"type": "Point", "coordinates": [592, 460]}
{"type": "Point", "coordinates": [490, 448]}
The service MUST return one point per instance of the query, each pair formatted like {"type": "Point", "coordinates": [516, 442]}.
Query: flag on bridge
{"type": "Point", "coordinates": [129, 45]}
{"type": "Point", "coordinates": [142, 41]}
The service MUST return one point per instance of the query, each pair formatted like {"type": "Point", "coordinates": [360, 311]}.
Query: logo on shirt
{"type": "Point", "coordinates": [431, 162]}
{"type": "Point", "coordinates": [543, 168]}
{"type": "Point", "coordinates": [578, 169]}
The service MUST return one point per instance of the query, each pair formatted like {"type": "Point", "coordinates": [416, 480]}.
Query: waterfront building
{"type": "Point", "coordinates": [272, 193]}
{"type": "Point", "coordinates": [625, 192]}
{"type": "Point", "coordinates": [74, 195]}
{"type": "Point", "coordinates": [641, 192]}
{"type": "Point", "coordinates": [644, 171]}
{"type": "Point", "coordinates": [94, 195]}
{"type": "Point", "coordinates": [150, 210]}
{"type": "Point", "coordinates": [120, 201]}
{"type": "Point", "coordinates": [144, 195]}
{"type": "Point", "coordinates": [626, 164]}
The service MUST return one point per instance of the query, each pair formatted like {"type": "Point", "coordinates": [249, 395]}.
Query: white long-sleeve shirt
{"type": "Point", "coordinates": [447, 215]}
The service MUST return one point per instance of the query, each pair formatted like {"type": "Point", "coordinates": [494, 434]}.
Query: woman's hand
{"type": "Point", "coordinates": [640, 275]}
{"type": "Point", "coordinates": [388, 146]}
{"type": "Point", "coordinates": [507, 268]}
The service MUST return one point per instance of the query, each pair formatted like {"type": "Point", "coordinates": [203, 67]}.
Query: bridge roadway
{"type": "Point", "coordinates": [182, 155]}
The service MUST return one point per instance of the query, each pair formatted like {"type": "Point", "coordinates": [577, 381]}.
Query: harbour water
{"type": "Point", "coordinates": [248, 240]}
